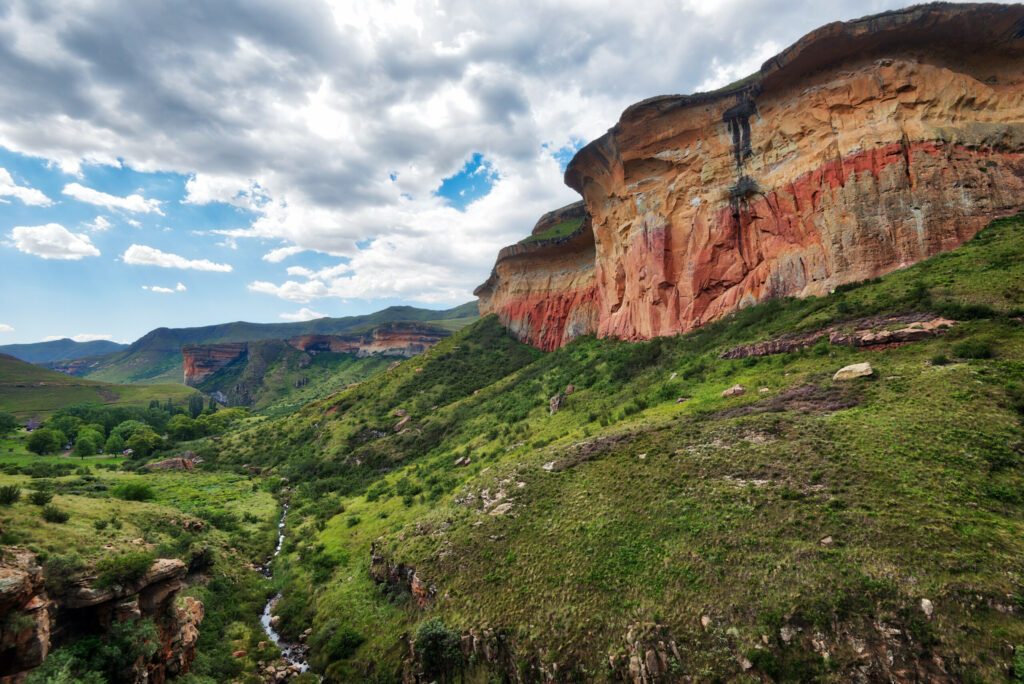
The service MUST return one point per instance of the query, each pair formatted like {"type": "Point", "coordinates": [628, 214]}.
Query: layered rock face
{"type": "Point", "coordinates": [544, 290]}
{"type": "Point", "coordinates": [865, 147]}
{"type": "Point", "coordinates": [203, 360]}
{"type": "Point", "coordinates": [35, 622]}
{"type": "Point", "coordinates": [394, 339]}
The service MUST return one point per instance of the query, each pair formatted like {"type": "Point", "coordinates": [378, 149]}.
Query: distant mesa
{"type": "Point", "coordinates": [865, 147]}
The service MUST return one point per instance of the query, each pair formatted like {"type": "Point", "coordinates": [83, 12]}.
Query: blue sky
{"type": "Point", "coordinates": [271, 161]}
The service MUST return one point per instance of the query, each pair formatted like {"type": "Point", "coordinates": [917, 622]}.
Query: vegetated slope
{"type": "Point", "coordinates": [27, 390]}
{"type": "Point", "coordinates": [156, 357]}
{"type": "Point", "coordinates": [60, 350]}
{"type": "Point", "coordinates": [808, 529]}
{"type": "Point", "coordinates": [276, 378]}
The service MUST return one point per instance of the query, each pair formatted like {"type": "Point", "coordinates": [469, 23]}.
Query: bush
{"type": "Point", "coordinates": [54, 515]}
{"type": "Point", "coordinates": [60, 571]}
{"type": "Point", "coordinates": [438, 648]}
{"type": "Point", "coordinates": [9, 494]}
{"type": "Point", "coordinates": [133, 491]}
{"type": "Point", "coordinates": [123, 568]}
{"type": "Point", "coordinates": [974, 349]}
{"type": "Point", "coordinates": [40, 497]}
{"type": "Point", "coordinates": [940, 360]}
{"type": "Point", "coordinates": [100, 525]}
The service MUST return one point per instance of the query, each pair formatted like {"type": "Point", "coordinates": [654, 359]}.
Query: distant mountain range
{"type": "Point", "coordinates": [156, 357]}
{"type": "Point", "coordinates": [60, 350]}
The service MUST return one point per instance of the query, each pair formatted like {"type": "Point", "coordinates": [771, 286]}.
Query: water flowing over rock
{"type": "Point", "coordinates": [865, 147]}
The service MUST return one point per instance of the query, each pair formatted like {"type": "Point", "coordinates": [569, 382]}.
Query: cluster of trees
{"type": "Point", "coordinates": [92, 429]}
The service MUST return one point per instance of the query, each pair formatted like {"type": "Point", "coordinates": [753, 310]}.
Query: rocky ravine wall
{"type": "Point", "coordinates": [865, 147]}
{"type": "Point", "coordinates": [35, 622]}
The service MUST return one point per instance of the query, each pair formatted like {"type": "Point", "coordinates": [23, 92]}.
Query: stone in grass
{"type": "Point", "coordinates": [853, 371]}
{"type": "Point", "coordinates": [734, 391]}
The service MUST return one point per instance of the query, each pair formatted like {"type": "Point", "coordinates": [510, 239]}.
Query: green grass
{"type": "Point", "coordinates": [711, 507]}
{"type": "Point", "coordinates": [27, 391]}
{"type": "Point", "coordinates": [559, 230]}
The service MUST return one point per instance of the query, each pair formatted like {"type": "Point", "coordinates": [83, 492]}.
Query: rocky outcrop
{"type": "Point", "coordinates": [203, 360]}
{"type": "Point", "coordinates": [864, 147]}
{"type": "Point", "coordinates": [35, 622]}
{"type": "Point", "coordinates": [400, 579]}
{"type": "Point", "coordinates": [876, 332]}
{"type": "Point", "coordinates": [393, 339]}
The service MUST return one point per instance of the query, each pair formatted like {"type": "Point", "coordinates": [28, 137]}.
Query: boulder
{"type": "Point", "coordinates": [854, 371]}
{"type": "Point", "coordinates": [735, 391]}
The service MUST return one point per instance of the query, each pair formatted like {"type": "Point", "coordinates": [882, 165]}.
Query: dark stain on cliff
{"type": "Point", "coordinates": [737, 118]}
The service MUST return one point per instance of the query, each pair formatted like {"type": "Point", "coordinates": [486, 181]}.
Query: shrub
{"type": "Point", "coordinates": [973, 349]}
{"type": "Point", "coordinates": [40, 497]}
{"type": "Point", "coordinates": [100, 525]}
{"type": "Point", "coordinates": [9, 494]}
{"type": "Point", "coordinates": [940, 360]}
{"type": "Point", "coordinates": [438, 648]}
{"type": "Point", "coordinates": [133, 491]}
{"type": "Point", "coordinates": [353, 521]}
{"type": "Point", "coordinates": [54, 515]}
{"type": "Point", "coordinates": [123, 568]}
{"type": "Point", "coordinates": [61, 570]}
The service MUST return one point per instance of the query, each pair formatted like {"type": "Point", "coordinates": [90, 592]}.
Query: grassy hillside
{"type": "Point", "coordinates": [156, 357]}
{"type": "Point", "coordinates": [27, 390]}
{"type": "Point", "coordinates": [807, 530]}
{"type": "Point", "coordinates": [60, 350]}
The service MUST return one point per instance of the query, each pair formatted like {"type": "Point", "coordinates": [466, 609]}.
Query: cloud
{"type": "Point", "coordinates": [27, 195]}
{"type": "Point", "coordinates": [80, 337]}
{"type": "Point", "coordinates": [134, 203]}
{"type": "Point", "coordinates": [278, 255]}
{"type": "Point", "coordinates": [303, 314]}
{"type": "Point", "coordinates": [142, 255]}
{"type": "Point", "coordinates": [99, 224]}
{"type": "Point", "coordinates": [53, 241]}
{"type": "Point", "coordinates": [180, 287]}
{"type": "Point", "coordinates": [4, 328]}
{"type": "Point", "coordinates": [330, 127]}
{"type": "Point", "coordinates": [133, 223]}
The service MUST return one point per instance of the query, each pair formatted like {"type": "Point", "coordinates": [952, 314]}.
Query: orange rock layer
{"type": "Point", "coordinates": [865, 147]}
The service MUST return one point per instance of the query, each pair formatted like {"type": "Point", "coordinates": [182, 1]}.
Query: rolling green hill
{"type": "Point", "coordinates": [60, 350]}
{"type": "Point", "coordinates": [156, 357]}
{"type": "Point", "coordinates": [804, 529]}
{"type": "Point", "coordinates": [27, 390]}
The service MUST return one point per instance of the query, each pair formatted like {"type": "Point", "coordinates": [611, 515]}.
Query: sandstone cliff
{"type": "Point", "coordinates": [864, 147]}
{"type": "Point", "coordinates": [35, 622]}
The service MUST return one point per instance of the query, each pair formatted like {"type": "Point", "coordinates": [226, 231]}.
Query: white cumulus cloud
{"type": "Point", "coordinates": [303, 314]}
{"type": "Point", "coordinates": [53, 241]}
{"type": "Point", "coordinates": [134, 203]}
{"type": "Point", "coordinates": [180, 287]}
{"type": "Point", "coordinates": [4, 328]}
{"type": "Point", "coordinates": [27, 195]}
{"type": "Point", "coordinates": [142, 255]}
{"type": "Point", "coordinates": [278, 255]}
{"type": "Point", "coordinates": [99, 224]}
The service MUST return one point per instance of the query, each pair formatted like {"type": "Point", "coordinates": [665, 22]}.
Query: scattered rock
{"type": "Point", "coordinates": [786, 633]}
{"type": "Point", "coordinates": [734, 391]}
{"type": "Point", "coordinates": [763, 390]}
{"type": "Point", "coordinates": [853, 371]}
{"type": "Point", "coordinates": [502, 509]}
{"type": "Point", "coordinates": [463, 461]}
{"type": "Point", "coordinates": [238, 654]}
{"type": "Point", "coordinates": [402, 423]}
{"type": "Point", "coordinates": [682, 400]}
{"type": "Point", "coordinates": [928, 608]}
{"type": "Point", "coordinates": [705, 621]}
{"type": "Point", "coordinates": [642, 457]}
{"type": "Point", "coordinates": [826, 541]}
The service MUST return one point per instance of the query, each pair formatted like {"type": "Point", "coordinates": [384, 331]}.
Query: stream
{"type": "Point", "coordinates": [293, 654]}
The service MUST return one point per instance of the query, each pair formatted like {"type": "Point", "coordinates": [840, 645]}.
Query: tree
{"type": "Point", "coordinates": [181, 427]}
{"type": "Point", "coordinates": [46, 441]}
{"type": "Point", "coordinates": [128, 428]}
{"type": "Point", "coordinates": [438, 648]}
{"type": "Point", "coordinates": [195, 405]}
{"type": "Point", "coordinates": [115, 445]}
{"type": "Point", "coordinates": [143, 442]}
{"type": "Point", "coordinates": [69, 425]}
{"type": "Point", "coordinates": [8, 423]}
{"type": "Point", "coordinates": [212, 406]}
{"type": "Point", "coordinates": [88, 443]}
